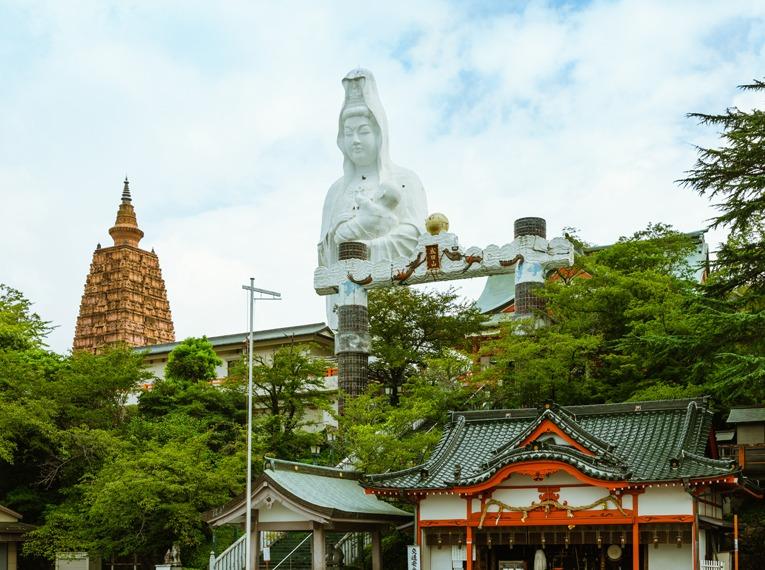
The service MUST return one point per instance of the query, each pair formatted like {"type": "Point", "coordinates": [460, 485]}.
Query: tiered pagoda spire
{"type": "Point", "coordinates": [125, 300]}
{"type": "Point", "coordinates": [125, 230]}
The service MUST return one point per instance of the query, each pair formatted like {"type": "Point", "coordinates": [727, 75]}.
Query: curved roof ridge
{"type": "Point", "coordinates": [721, 463]}
{"type": "Point", "coordinates": [580, 461]}
{"type": "Point", "coordinates": [689, 422]}
{"type": "Point", "coordinates": [567, 422]}
{"type": "Point", "coordinates": [273, 464]}
{"type": "Point", "coordinates": [610, 459]}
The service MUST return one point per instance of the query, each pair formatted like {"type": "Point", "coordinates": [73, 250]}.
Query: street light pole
{"type": "Point", "coordinates": [265, 295]}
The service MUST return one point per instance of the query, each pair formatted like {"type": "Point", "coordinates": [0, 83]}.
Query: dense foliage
{"type": "Point", "coordinates": [98, 473]}
{"type": "Point", "coordinates": [410, 326]}
{"type": "Point", "coordinates": [289, 395]}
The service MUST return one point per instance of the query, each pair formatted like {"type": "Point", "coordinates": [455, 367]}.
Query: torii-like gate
{"type": "Point", "coordinates": [437, 257]}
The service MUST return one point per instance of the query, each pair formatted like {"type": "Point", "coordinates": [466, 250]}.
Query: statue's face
{"type": "Point", "coordinates": [360, 141]}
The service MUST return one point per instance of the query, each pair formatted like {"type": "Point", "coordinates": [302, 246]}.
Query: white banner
{"type": "Point", "coordinates": [413, 557]}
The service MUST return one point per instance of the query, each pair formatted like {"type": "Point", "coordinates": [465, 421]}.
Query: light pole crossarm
{"type": "Point", "coordinates": [262, 291]}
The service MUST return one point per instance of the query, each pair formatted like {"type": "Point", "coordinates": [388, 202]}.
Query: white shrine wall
{"type": "Point", "coordinates": [670, 557]}
{"type": "Point", "coordinates": [665, 501]}
{"type": "Point", "coordinates": [571, 490]}
{"type": "Point", "coordinates": [521, 490]}
{"type": "Point", "coordinates": [440, 507]}
{"type": "Point", "coordinates": [439, 558]}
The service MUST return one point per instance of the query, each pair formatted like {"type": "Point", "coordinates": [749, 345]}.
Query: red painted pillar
{"type": "Point", "coordinates": [635, 534]}
{"type": "Point", "coordinates": [469, 546]}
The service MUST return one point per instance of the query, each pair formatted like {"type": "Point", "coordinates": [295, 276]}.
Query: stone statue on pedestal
{"type": "Point", "coordinates": [173, 557]}
{"type": "Point", "coordinates": [375, 202]}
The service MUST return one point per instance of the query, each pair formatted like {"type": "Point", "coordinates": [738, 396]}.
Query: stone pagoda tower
{"type": "Point", "coordinates": [125, 300]}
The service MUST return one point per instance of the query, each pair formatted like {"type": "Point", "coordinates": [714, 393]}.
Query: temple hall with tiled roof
{"type": "Point", "coordinates": [633, 485]}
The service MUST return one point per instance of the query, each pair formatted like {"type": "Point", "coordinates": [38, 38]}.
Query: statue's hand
{"type": "Point", "coordinates": [347, 231]}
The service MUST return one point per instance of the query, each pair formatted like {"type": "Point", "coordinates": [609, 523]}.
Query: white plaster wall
{"type": "Point", "coordinates": [279, 513]}
{"type": "Point", "coordinates": [437, 507]}
{"type": "Point", "coordinates": [665, 501]}
{"type": "Point", "coordinates": [439, 559]}
{"type": "Point", "coordinates": [475, 507]}
{"type": "Point", "coordinates": [579, 496]}
{"type": "Point", "coordinates": [670, 557]}
{"type": "Point", "coordinates": [514, 497]}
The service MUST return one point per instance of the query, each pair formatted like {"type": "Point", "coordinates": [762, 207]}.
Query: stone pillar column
{"type": "Point", "coordinates": [529, 277]}
{"type": "Point", "coordinates": [376, 550]}
{"type": "Point", "coordinates": [318, 552]}
{"type": "Point", "coordinates": [352, 337]}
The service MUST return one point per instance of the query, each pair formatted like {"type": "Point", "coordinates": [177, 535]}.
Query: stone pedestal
{"type": "Point", "coordinates": [529, 277]}
{"type": "Point", "coordinates": [352, 337]}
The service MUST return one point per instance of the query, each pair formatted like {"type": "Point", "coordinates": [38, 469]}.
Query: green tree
{"type": "Point", "coordinates": [734, 174]}
{"type": "Point", "coordinates": [20, 328]}
{"type": "Point", "coordinates": [380, 436]}
{"type": "Point", "coordinates": [409, 327]}
{"type": "Point", "coordinates": [288, 388]}
{"type": "Point", "coordinates": [193, 360]}
{"type": "Point", "coordinates": [596, 346]}
{"type": "Point", "coordinates": [150, 493]}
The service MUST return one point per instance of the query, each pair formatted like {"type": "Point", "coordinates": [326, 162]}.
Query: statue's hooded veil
{"type": "Point", "coordinates": [361, 98]}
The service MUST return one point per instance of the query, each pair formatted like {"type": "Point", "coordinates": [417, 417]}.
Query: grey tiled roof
{"type": "Point", "coordinates": [239, 338]}
{"type": "Point", "coordinates": [335, 491]}
{"type": "Point", "coordinates": [634, 442]}
{"type": "Point", "coordinates": [746, 415]}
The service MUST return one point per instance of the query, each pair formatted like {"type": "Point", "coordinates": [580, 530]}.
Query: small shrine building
{"type": "Point", "coordinates": [629, 486]}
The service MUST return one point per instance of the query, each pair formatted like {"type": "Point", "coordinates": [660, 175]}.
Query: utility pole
{"type": "Point", "coordinates": [265, 295]}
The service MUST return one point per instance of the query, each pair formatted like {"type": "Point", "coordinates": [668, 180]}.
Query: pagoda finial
{"type": "Point", "coordinates": [126, 191]}
{"type": "Point", "coordinates": [125, 230]}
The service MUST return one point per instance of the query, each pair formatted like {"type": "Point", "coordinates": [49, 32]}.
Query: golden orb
{"type": "Point", "coordinates": [436, 223]}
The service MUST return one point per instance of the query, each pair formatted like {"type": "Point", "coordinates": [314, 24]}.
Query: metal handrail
{"type": "Point", "coordinates": [232, 557]}
{"type": "Point", "coordinates": [283, 560]}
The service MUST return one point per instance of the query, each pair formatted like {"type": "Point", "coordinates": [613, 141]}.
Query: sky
{"type": "Point", "coordinates": [224, 117]}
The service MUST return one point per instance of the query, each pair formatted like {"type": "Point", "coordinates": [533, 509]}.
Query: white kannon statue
{"type": "Point", "coordinates": [375, 201]}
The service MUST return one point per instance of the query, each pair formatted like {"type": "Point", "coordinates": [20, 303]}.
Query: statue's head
{"type": "Point", "coordinates": [361, 138]}
{"type": "Point", "coordinates": [362, 133]}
